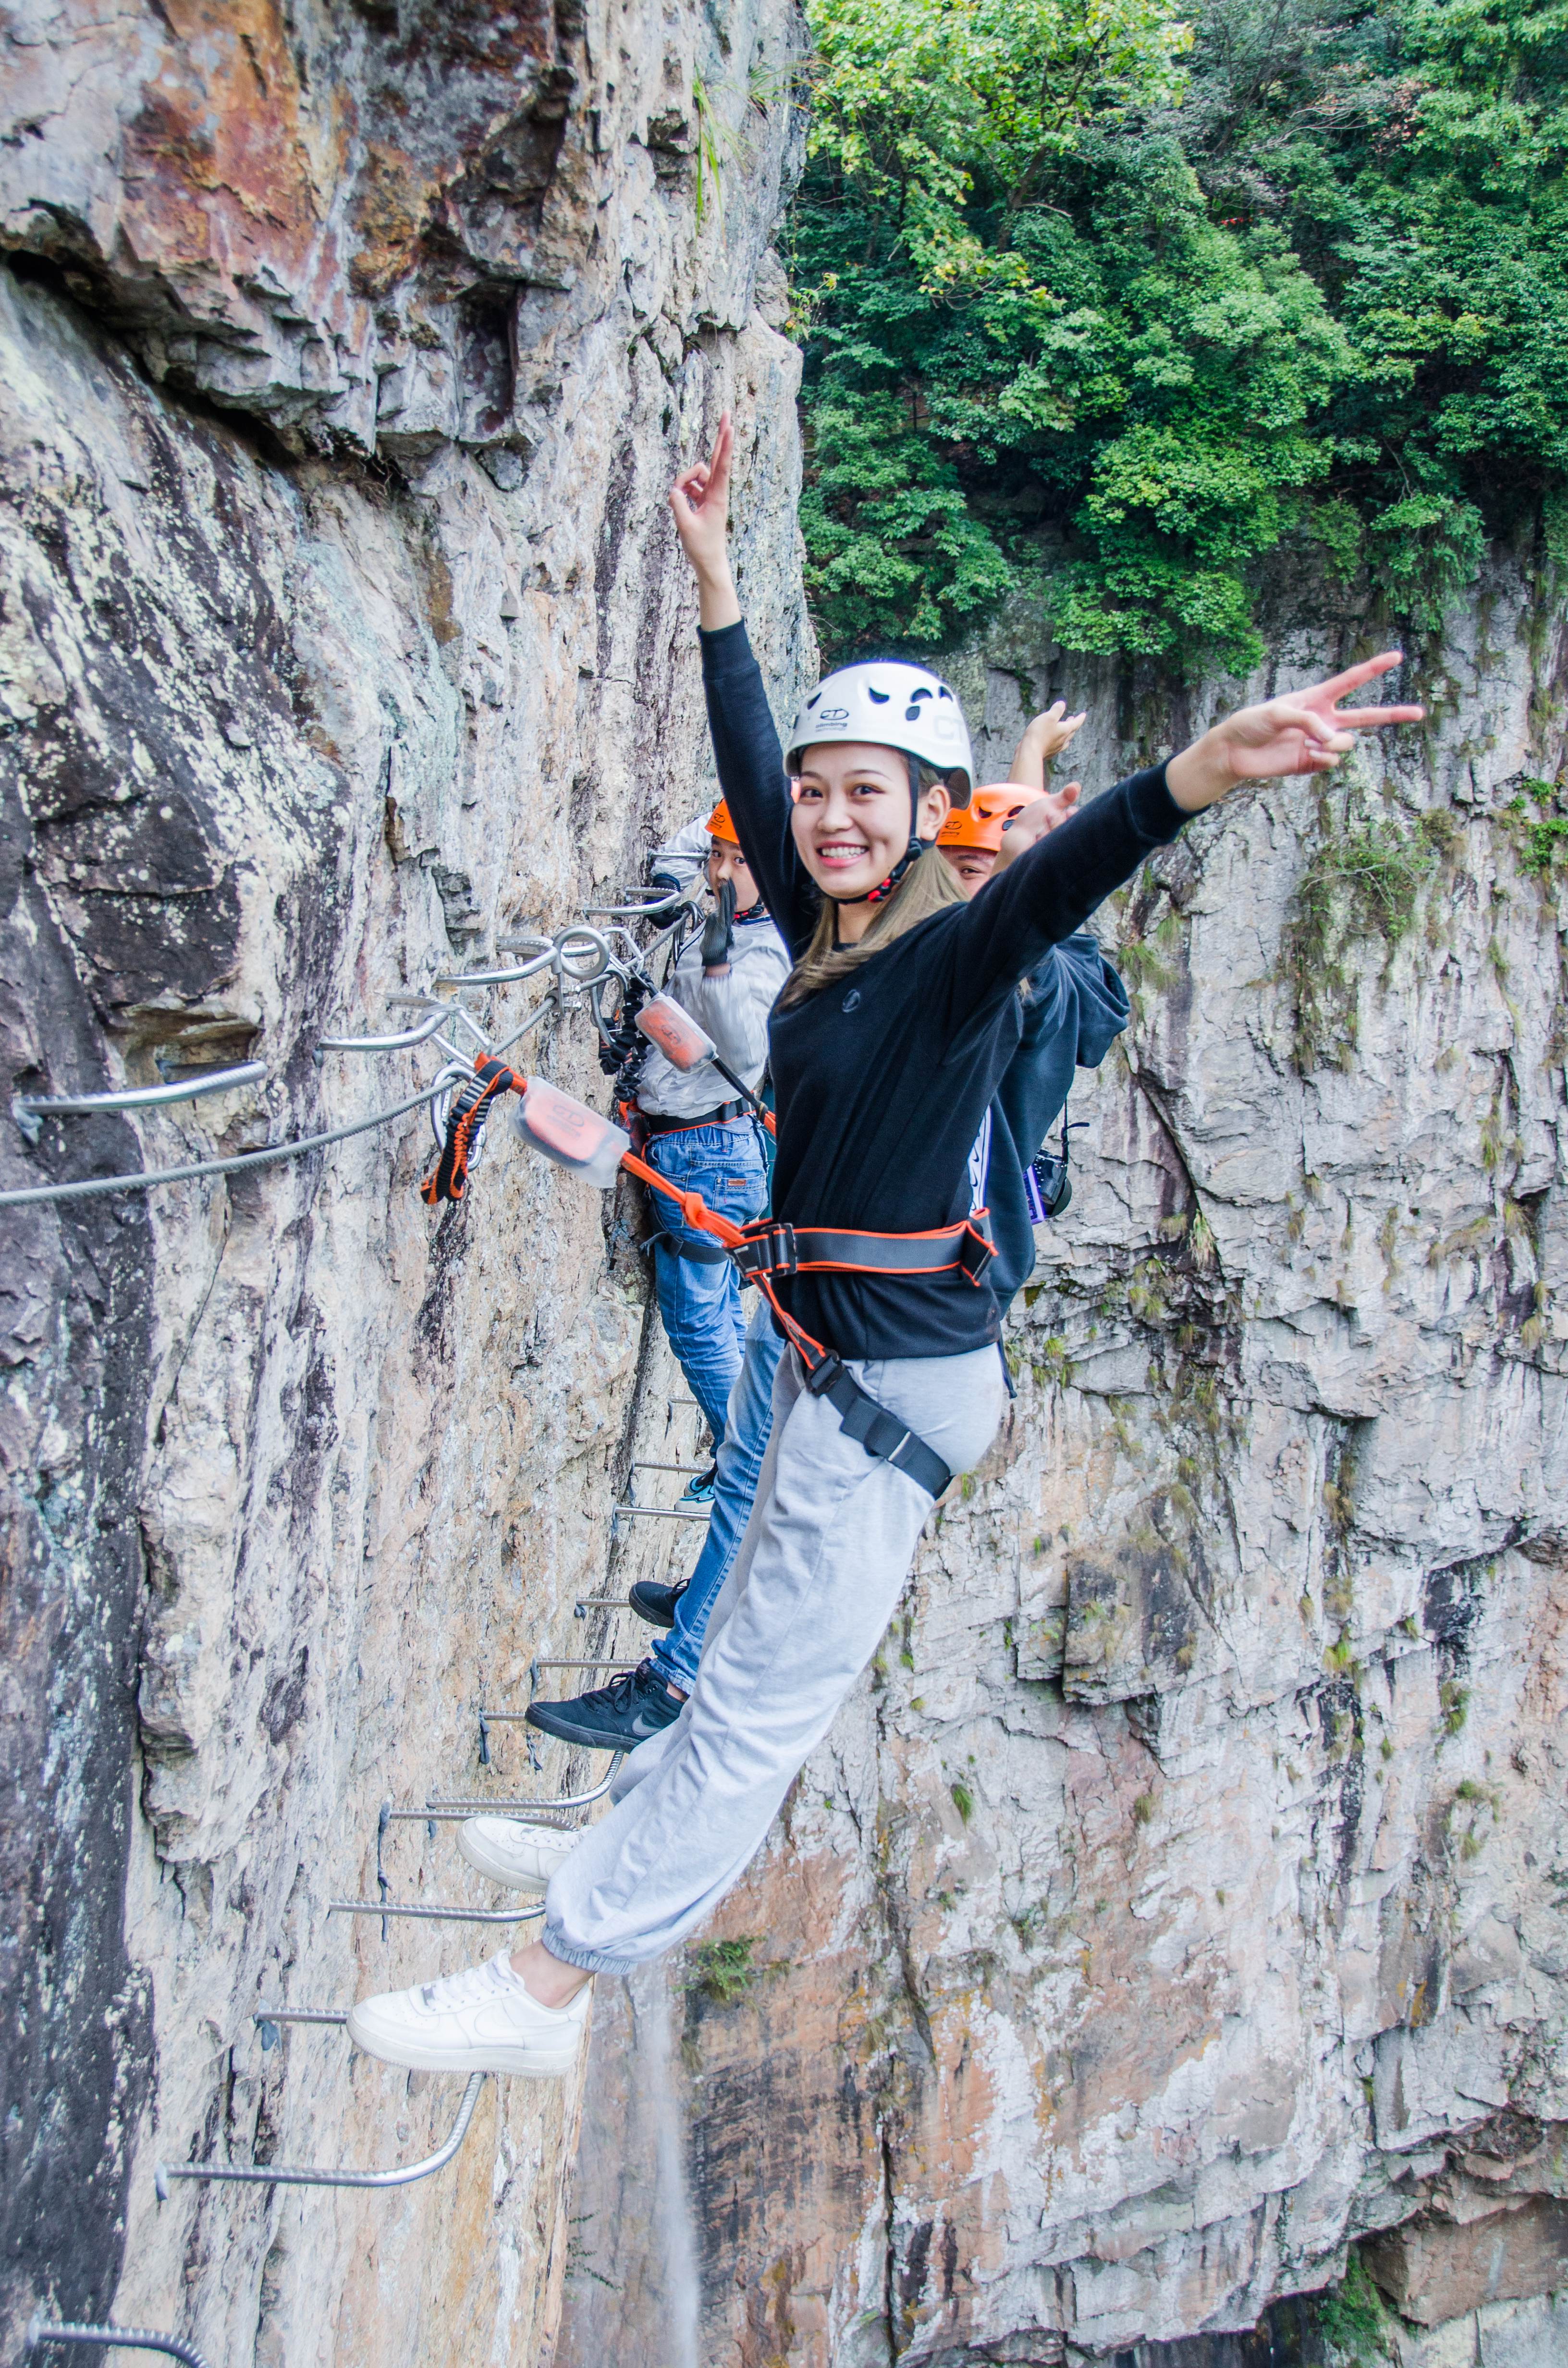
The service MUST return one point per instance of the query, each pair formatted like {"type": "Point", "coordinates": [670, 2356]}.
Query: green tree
{"type": "Point", "coordinates": [1086, 283]}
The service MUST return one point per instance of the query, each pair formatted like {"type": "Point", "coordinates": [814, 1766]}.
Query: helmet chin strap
{"type": "Point", "coordinates": [879, 894]}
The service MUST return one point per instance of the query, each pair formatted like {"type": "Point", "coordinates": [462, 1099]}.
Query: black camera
{"type": "Point", "coordinates": [1054, 1184]}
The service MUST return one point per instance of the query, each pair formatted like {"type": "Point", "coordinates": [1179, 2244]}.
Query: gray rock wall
{"type": "Point", "coordinates": [347, 354]}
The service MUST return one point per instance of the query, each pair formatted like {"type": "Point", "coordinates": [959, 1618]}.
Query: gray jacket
{"type": "Point", "coordinates": [733, 1009]}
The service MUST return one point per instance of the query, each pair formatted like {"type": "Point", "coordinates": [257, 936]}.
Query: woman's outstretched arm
{"type": "Point", "coordinates": [1051, 889]}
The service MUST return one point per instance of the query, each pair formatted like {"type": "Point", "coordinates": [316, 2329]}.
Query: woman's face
{"type": "Point", "coordinates": [851, 814]}
{"type": "Point", "coordinates": [725, 861]}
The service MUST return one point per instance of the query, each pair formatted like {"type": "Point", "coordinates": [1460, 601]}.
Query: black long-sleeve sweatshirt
{"type": "Point", "coordinates": [883, 1077]}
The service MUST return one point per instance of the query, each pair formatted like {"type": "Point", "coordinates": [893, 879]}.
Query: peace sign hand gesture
{"type": "Point", "coordinates": [1300, 732]}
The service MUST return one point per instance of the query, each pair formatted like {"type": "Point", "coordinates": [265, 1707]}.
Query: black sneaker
{"type": "Point", "coordinates": [655, 1604]}
{"type": "Point", "coordinates": [616, 1717]}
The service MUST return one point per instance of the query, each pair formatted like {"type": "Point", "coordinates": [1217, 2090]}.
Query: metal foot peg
{"type": "Point", "coordinates": [595, 1661]}
{"type": "Point", "coordinates": [267, 2020]}
{"type": "Point", "coordinates": [134, 2339]}
{"type": "Point", "coordinates": [447, 1810]}
{"type": "Point", "coordinates": [277, 2175]}
{"type": "Point", "coordinates": [434, 1915]}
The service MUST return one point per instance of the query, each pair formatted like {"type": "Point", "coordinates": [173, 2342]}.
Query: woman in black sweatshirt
{"type": "Point", "coordinates": [887, 1044]}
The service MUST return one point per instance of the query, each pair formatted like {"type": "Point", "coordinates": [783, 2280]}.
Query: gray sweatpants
{"type": "Point", "coordinates": [819, 1573]}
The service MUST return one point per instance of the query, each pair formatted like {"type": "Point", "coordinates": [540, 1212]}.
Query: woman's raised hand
{"type": "Point", "coordinates": [700, 500]}
{"type": "Point", "coordinates": [1300, 732]}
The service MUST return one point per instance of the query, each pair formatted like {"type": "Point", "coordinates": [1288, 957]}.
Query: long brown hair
{"type": "Point", "coordinates": [926, 887]}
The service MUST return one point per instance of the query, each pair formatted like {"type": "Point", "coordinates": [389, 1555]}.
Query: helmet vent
{"type": "Point", "coordinates": [881, 697]}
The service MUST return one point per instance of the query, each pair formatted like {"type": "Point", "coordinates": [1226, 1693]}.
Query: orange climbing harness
{"type": "Point", "coordinates": [765, 1251]}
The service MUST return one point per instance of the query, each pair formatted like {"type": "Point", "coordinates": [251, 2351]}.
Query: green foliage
{"type": "Point", "coordinates": [1084, 282]}
{"type": "Point", "coordinates": [725, 1972]}
{"type": "Point", "coordinates": [963, 1801]}
{"type": "Point", "coordinates": [1543, 836]}
{"type": "Point", "coordinates": [1356, 2321]}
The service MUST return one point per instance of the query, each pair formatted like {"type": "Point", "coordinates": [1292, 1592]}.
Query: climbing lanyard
{"type": "Point", "coordinates": [764, 1252]}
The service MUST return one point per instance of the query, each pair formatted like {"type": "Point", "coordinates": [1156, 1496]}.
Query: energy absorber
{"type": "Point", "coordinates": [676, 1033]}
{"type": "Point", "coordinates": [572, 1135]}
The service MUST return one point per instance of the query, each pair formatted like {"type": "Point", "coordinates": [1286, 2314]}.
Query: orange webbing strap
{"type": "Point", "coordinates": [697, 1212]}
{"type": "Point", "coordinates": [447, 1180]}
{"type": "Point", "coordinates": [877, 1431]}
{"type": "Point", "coordinates": [692, 1205]}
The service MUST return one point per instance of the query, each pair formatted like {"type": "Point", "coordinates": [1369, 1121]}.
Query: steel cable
{"type": "Point", "coordinates": [269, 1159]}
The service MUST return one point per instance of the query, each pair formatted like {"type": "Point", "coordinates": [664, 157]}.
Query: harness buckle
{"type": "Point", "coordinates": [769, 1249]}
{"type": "Point", "coordinates": [820, 1381]}
{"type": "Point", "coordinates": [978, 1246]}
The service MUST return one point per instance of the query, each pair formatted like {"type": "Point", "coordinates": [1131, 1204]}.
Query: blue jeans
{"type": "Point", "coordinates": [699, 1297]}
{"type": "Point", "coordinates": [747, 1422]}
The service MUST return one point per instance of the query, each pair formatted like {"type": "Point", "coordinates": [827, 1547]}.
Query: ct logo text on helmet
{"type": "Point", "coordinates": [891, 704]}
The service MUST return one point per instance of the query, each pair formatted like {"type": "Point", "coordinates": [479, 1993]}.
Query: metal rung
{"type": "Point", "coordinates": [447, 1011]}
{"type": "Point", "coordinates": [586, 1603]}
{"type": "Point", "coordinates": [271, 2175]}
{"type": "Point", "coordinates": [131, 2339]}
{"type": "Point", "coordinates": [495, 977]}
{"type": "Point", "coordinates": [410, 1036]}
{"type": "Point", "coordinates": [444, 1810]}
{"type": "Point", "coordinates": [28, 1108]}
{"type": "Point", "coordinates": [434, 1915]}
{"type": "Point", "coordinates": [597, 1662]}
{"type": "Point", "coordinates": [451, 1812]}
{"type": "Point", "coordinates": [301, 2014]}
{"type": "Point", "coordinates": [660, 1513]}
{"type": "Point", "coordinates": [692, 1470]}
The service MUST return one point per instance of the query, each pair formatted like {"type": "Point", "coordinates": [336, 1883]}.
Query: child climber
{"type": "Point", "coordinates": [728, 980]}
{"type": "Point", "coordinates": [893, 1032]}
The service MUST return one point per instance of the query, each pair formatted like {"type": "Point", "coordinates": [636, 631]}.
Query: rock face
{"type": "Point", "coordinates": [1180, 1895]}
{"type": "Point", "coordinates": [1179, 1898]}
{"type": "Point", "coordinates": [348, 353]}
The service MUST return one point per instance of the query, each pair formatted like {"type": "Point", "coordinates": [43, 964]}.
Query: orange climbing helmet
{"type": "Point", "coordinates": [982, 822]}
{"type": "Point", "coordinates": [720, 826]}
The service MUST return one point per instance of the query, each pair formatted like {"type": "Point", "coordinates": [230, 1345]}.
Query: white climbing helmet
{"type": "Point", "coordinates": [895, 705]}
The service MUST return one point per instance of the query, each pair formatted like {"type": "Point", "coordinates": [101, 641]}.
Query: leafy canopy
{"type": "Point", "coordinates": [1156, 293]}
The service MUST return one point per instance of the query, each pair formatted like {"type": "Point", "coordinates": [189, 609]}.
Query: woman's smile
{"type": "Point", "coordinates": [839, 852]}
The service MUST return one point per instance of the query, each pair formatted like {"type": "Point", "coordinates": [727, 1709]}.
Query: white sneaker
{"type": "Point", "coordinates": [481, 2020]}
{"type": "Point", "coordinates": [510, 1851]}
